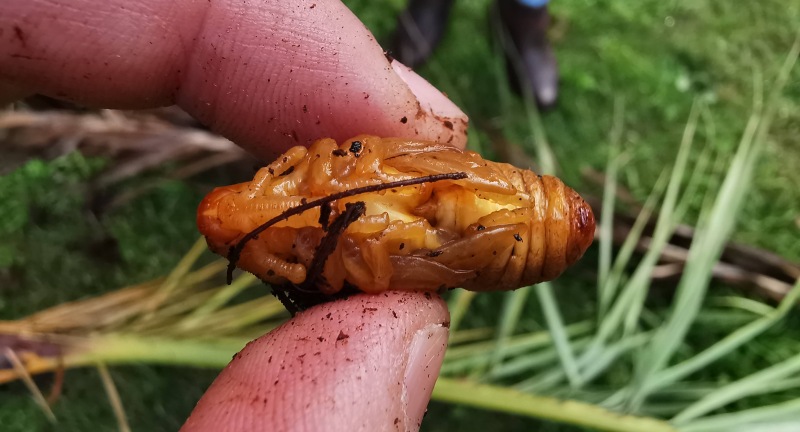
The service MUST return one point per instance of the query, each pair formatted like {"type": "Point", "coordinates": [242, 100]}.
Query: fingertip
{"type": "Point", "coordinates": [446, 120]}
{"type": "Point", "coordinates": [368, 362]}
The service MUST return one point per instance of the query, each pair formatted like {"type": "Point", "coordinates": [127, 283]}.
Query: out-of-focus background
{"type": "Point", "coordinates": [679, 120]}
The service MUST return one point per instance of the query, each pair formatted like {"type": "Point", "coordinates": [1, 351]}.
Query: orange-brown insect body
{"type": "Point", "coordinates": [500, 228]}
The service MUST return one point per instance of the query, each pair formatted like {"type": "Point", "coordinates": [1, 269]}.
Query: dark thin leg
{"type": "Point", "coordinates": [327, 245]}
{"type": "Point", "coordinates": [299, 298]}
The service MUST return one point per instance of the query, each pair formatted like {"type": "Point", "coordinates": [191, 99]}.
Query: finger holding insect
{"type": "Point", "coordinates": [268, 75]}
{"type": "Point", "coordinates": [366, 363]}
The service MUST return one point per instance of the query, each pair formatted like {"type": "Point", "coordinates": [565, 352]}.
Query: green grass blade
{"type": "Point", "coordinates": [629, 245]}
{"type": "Point", "coordinates": [561, 341]}
{"type": "Point", "coordinates": [501, 399]}
{"type": "Point", "coordinates": [599, 364]}
{"type": "Point", "coordinates": [518, 344]}
{"type": "Point", "coordinates": [668, 218]}
{"type": "Point", "coordinates": [114, 349]}
{"type": "Point", "coordinates": [782, 417]}
{"type": "Point", "coordinates": [606, 291]}
{"type": "Point", "coordinates": [727, 344]}
{"type": "Point", "coordinates": [509, 317]}
{"type": "Point", "coordinates": [708, 244]}
{"type": "Point", "coordinates": [640, 280]}
{"type": "Point", "coordinates": [752, 384]}
{"type": "Point", "coordinates": [176, 276]}
{"type": "Point", "coordinates": [459, 305]}
{"type": "Point", "coordinates": [544, 152]}
{"type": "Point", "coordinates": [527, 363]}
{"type": "Point", "coordinates": [220, 298]}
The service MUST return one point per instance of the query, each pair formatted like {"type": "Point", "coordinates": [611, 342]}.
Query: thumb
{"type": "Point", "coordinates": [368, 362]}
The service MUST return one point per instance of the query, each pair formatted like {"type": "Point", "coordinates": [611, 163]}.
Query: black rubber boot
{"type": "Point", "coordinates": [532, 65]}
{"type": "Point", "coordinates": [419, 30]}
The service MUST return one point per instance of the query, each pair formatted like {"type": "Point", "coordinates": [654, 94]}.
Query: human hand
{"type": "Point", "coordinates": [267, 75]}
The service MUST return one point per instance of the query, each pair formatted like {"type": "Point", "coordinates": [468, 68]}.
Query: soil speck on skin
{"type": "Point", "coordinates": [428, 295]}
{"type": "Point", "coordinates": [404, 120]}
{"type": "Point", "coordinates": [448, 124]}
{"type": "Point", "coordinates": [321, 339]}
{"type": "Point", "coordinates": [369, 309]}
{"type": "Point", "coordinates": [23, 39]}
{"type": "Point", "coordinates": [313, 5]}
{"type": "Point", "coordinates": [342, 336]}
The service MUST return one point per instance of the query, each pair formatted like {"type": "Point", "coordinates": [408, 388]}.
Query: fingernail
{"type": "Point", "coordinates": [428, 96]}
{"type": "Point", "coordinates": [426, 353]}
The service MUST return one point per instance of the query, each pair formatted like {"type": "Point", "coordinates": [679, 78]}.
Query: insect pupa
{"type": "Point", "coordinates": [391, 214]}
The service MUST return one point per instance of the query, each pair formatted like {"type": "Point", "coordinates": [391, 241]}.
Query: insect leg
{"type": "Point", "coordinates": [307, 294]}
{"type": "Point", "coordinates": [314, 275]}
{"type": "Point", "coordinates": [289, 159]}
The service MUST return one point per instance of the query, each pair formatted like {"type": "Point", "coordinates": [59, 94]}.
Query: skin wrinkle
{"type": "Point", "coordinates": [89, 54]}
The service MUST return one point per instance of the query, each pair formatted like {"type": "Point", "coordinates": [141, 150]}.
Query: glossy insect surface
{"type": "Point", "coordinates": [381, 214]}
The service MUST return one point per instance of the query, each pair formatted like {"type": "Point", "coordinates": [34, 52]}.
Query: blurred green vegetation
{"type": "Point", "coordinates": [656, 56]}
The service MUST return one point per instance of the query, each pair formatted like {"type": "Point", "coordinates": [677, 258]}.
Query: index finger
{"type": "Point", "coordinates": [268, 75]}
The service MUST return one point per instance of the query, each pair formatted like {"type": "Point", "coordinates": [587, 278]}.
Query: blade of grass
{"type": "Point", "coordinates": [477, 355]}
{"type": "Point", "coordinates": [755, 307]}
{"type": "Point", "coordinates": [664, 227]}
{"type": "Point", "coordinates": [509, 317]}
{"type": "Point", "coordinates": [591, 366]}
{"type": "Point", "coordinates": [606, 291]}
{"type": "Point", "coordinates": [563, 411]}
{"type": "Point", "coordinates": [640, 281]}
{"type": "Point", "coordinates": [22, 373]}
{"type": "Point", "coordinates": [631, 240]}
{"type": "Point", "coordinates": [175, 277]}
{"type": "Point", "coordinates": [752, 384]}
{"type": "Point", "coordinates": [113, 398]}
{"type": "Point", "coordinates": [707, 246]}
{"type": "Point", "coordinates": [746, 420]}
{"type": "Point", "coordinates": [459, 305]}
{"type": "Point", "coordinates": [724, 347]}
{"type": "Point", "coordinates": [528, 362]}
{"type": "Point", "coordinates": [463, 337]}
{"type": "Point", "coordinates": [221, 297]}
{"type": "Point", "coordinates": [561, 340]}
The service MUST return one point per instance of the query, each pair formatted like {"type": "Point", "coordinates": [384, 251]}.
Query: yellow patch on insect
{"type": "Point", "coordinates": [391, 214]}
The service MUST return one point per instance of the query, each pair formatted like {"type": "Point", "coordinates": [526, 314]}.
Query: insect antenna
{"type": "Point", "coordinates": [236, 250]}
